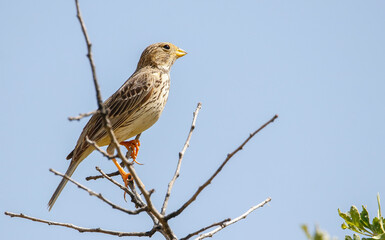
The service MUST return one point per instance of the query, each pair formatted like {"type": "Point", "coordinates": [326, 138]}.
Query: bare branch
{"type": "Point", "coordinates": [135, 198]}
{"type": "Point", "coordinates": [167, 232]}
{"type": "Point", "coordinates": [210, 234]}
{"type": "Point", "coordinates": [99, 195]}
{"type": "Point", "coordinates": [137, 201]}
{"type": "Point", "coordinates": [229, 156]}
{"type": "Point", "coordinates": [82, 229]}
{"type": "Point", "coordinates": [181, 154]}
{"type": "Point", "coordinates": [82, 115]}
{"type": "Point", "coordinates": [91, 60]}
{"type": "Point", "coordinates": [101, 107]}
{"type": "Point", "coordinates": [205, 228]}
{"type": "Point", "coordinates": [96, 146]}
{"type": "Point", "coordinates": [101, 176]}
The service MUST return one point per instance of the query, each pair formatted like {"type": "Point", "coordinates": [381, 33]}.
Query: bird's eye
{"type": "Point", "coordinates": [166, 46]}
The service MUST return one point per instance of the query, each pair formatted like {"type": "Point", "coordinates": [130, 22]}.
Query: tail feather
{"type": "Point", "coordinates": [70, 155]}
{"type": "Point", "coordinates": [70, 171]}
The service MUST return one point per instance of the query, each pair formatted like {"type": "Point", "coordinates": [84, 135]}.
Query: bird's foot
{"type": "Point", "coordinates": [132, 145]}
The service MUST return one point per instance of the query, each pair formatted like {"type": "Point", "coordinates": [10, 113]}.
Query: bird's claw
{"type": "Point", "coordinates": [132, 145]}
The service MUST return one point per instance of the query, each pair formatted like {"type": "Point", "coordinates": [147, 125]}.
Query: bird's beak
{"type": "Point", "coordinates": [180, 53]}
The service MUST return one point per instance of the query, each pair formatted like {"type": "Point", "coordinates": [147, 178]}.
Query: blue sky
{"type": "Point", "coordinates": [320, 65]}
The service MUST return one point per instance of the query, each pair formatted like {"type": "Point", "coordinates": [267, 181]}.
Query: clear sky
{"type": "Point", "coordinates": [320, 65]}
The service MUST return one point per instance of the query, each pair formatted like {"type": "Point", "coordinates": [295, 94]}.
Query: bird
{"type": "Point", "coordinates": [132, 109]}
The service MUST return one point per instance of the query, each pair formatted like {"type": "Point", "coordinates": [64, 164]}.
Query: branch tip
{"type": "Point", "coordinates": [181, 154]}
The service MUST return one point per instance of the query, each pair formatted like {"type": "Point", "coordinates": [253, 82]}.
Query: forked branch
{"type": "Point", "coordinates": [205, 228]}
{"type": "Point", "coordinates": [99, 195]}
{"type": "Point", "coordinates": [229, 156]}
{"type": "Point", "coordinates": [137, 201]}
{"type": "Point", "coordinates": [243, 216]}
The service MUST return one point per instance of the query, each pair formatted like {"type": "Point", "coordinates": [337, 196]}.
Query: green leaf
{"type": "Point", "coordinates": [365, 217]}
{"type": "Point", "coordinates": [345, 216]}
{"type": "Point", "coordinates": [306, 230]}
{"type": "Point", "coordinates": [376, 227]}
{"type": "Point", "coordinates": [355, 214]}
{"type": "Point", "coordinates": [354, 228]}
{"type": "Point", "coordinates": [348, 237]}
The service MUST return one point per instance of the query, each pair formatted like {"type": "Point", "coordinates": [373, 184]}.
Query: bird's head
{"type": "Point", "coordinates": [160, 55]}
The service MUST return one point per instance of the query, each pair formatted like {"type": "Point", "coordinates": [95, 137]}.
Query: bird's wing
{"type": "Point", "coordinates": [120, 106]}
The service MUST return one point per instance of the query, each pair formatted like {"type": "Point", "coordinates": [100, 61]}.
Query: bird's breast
{"type": "Point", "coordinates": [149, 113]}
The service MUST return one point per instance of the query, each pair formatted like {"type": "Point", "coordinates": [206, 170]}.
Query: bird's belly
{"type": "Point", "coordinates": [143, 119]}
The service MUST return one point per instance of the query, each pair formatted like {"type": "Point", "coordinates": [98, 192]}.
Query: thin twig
{"type": "Point", "coordinates": [135, 198]}
{"type": "Point", "coordinates": [165, 226]}
{"type": "Point", "coordinates": [101, 107]}
{"type": "Point", "coordinates": [96, 146]}
{"type": "Point", "coordinates": [91, 60]}
{"type": "Point", "coordinates": [137, 201]}
{"type": "Point", "coordinates": [229, 156]}
{"type": "Point", "coordinates": [98, 195]}
{"type": "Point", "coordinates": [210, 234]}
{"type": "Point", "coordinates": [101, 176]}
{"type": "Point", "coordinates": [82, 115]}
{"type": "Point", "coordinates": [82, 229]}
{"type": "Point", "coordinates": [181, 154]}
{"type": "Point", "coordinates": [205, 228]}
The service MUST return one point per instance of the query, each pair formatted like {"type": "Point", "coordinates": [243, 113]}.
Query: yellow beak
{"type": "Point", "coordinates": [180, 53]}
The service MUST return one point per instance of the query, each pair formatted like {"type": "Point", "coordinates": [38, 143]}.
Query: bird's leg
{"type": "Point", "coordinates": [127, 177]}
{"type": "Point", "coordinates": [132, 145]}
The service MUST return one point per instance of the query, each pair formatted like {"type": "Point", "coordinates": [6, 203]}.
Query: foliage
{"type": "Point", "coordinates": [360, 223]}
{"type": "Point", "coordinates": [318, 235]}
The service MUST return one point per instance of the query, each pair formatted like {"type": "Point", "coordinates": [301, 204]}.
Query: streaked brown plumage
{"type": "Point", "coordinates": [132, 109]}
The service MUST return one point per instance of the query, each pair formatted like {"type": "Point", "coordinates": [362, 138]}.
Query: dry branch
{"type": "Point", "coordinates": [96, 146]}
{"type": "Point", "coordinates": [82, 229]}
{"type": "Point", "coordinates": [229, 156]}
{"type": "Point", "coordinates": [210, 234]}
{"type": "Point", "coordinates": [205, 228]}
{"type": "Point", "coordinates": [96, 177]}
{"type": "Point", "coordinates": [82, 115]}
{"type": "Point", "coordinates": [134, 198]}
{"type": "Point", "coordinates": [98, 195]}
{"type": "Point", "coordinates": [181, 154]}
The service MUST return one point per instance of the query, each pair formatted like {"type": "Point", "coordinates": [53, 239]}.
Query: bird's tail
{"type": "Point", "coordinates": [70, 171]}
